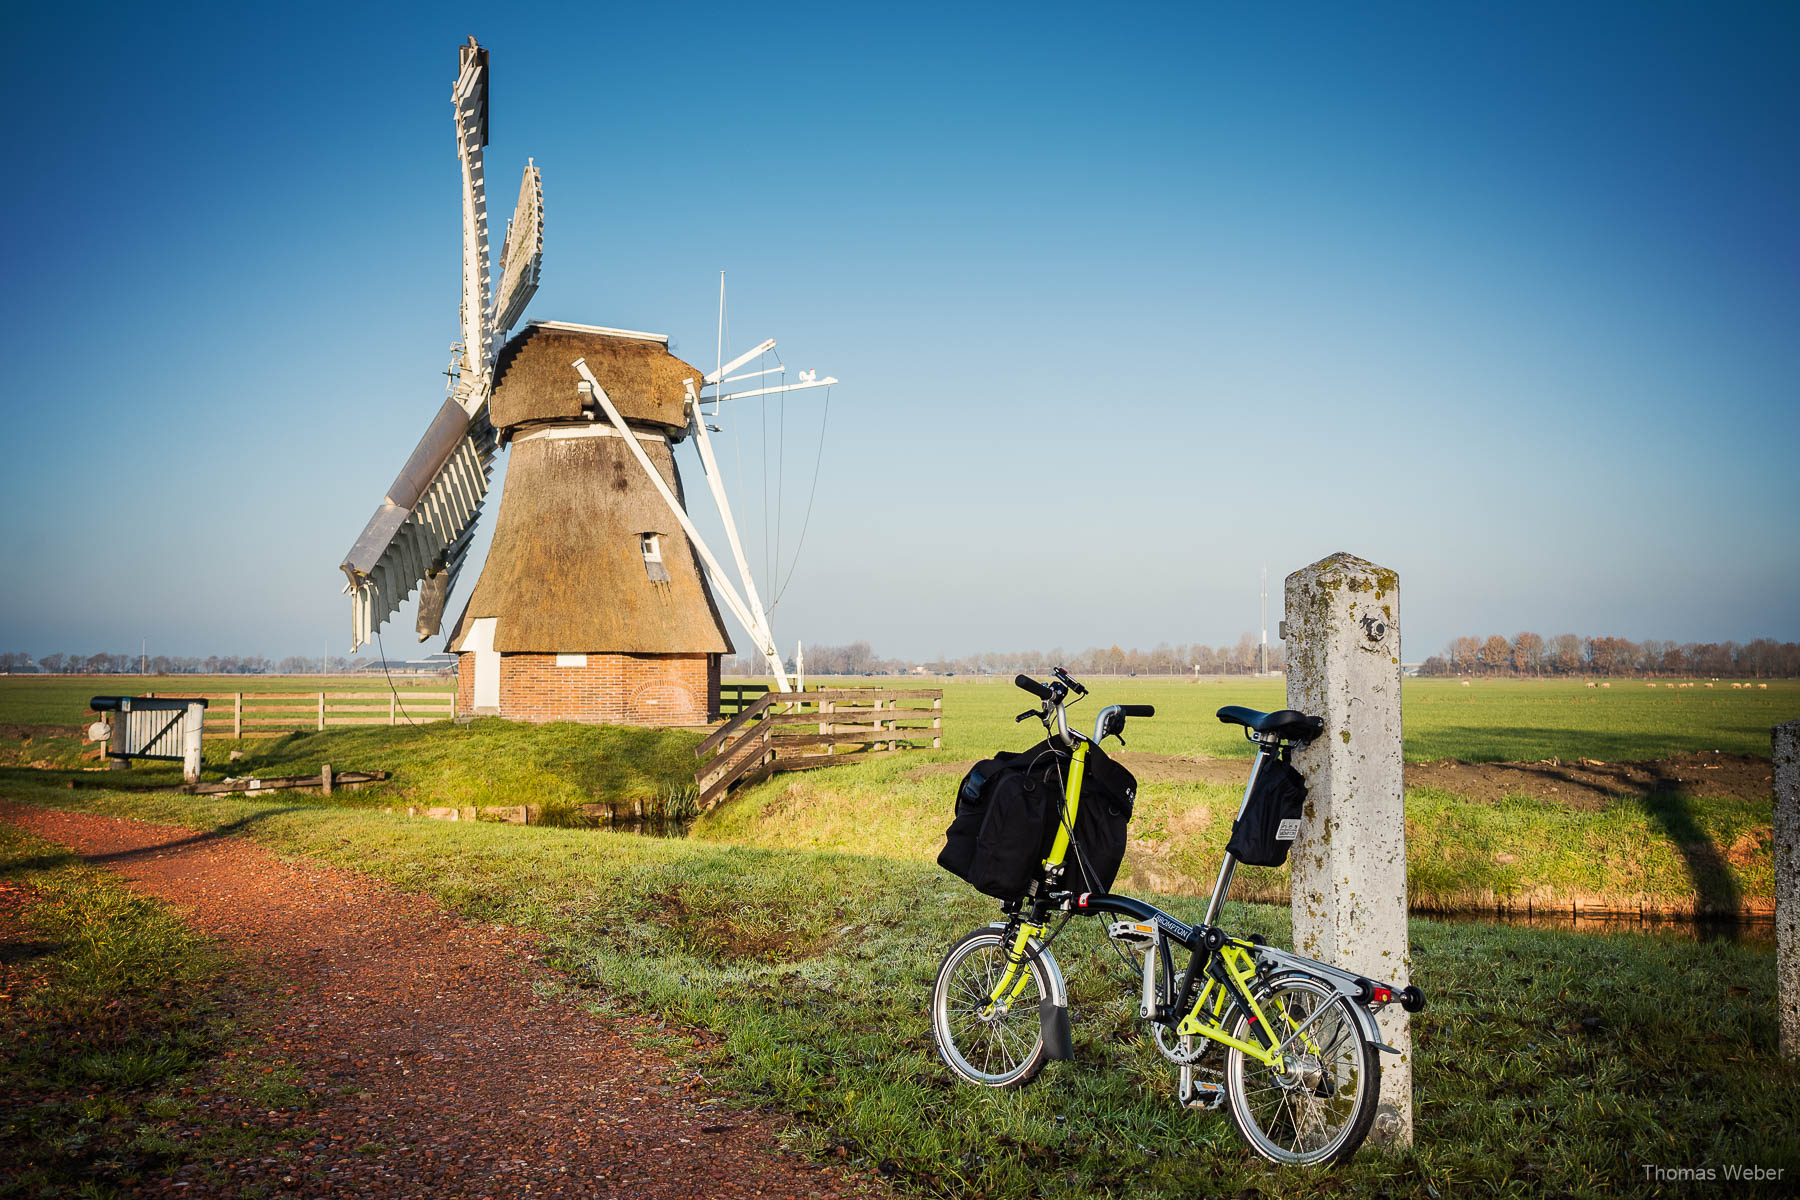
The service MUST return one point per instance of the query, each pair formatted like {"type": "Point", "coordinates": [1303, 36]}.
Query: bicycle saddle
{"type": "Point", "coordinates": [1287, 724]}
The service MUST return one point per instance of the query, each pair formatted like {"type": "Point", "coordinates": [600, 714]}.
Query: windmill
{"type": "Point", "coordinates": [597, 599]}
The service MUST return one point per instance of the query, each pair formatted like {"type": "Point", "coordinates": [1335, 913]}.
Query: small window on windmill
{"type": "Point", "coordinates": [651, 544]}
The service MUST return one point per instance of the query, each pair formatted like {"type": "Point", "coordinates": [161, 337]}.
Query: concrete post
{"type": "Point", "coordinates": [1349, 864]}
{"type": "Point", "coordinates": [193, 726]}
{"type": "Point", "coordinates": [1787, 885]}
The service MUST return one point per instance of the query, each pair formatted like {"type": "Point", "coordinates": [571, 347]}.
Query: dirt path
{"type": "Point", "coordinates": [440, 1071]}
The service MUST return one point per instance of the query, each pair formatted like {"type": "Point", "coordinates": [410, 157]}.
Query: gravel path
{"type": "Point", "coordinates": [441, 1072]}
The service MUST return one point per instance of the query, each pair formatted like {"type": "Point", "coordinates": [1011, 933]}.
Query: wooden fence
{"type": "Point", "coordinates": [797, 731]}
{"type": "Point", "coordinates": [734, 698]}
{"type": "Point", "coordinates": [272, 714]}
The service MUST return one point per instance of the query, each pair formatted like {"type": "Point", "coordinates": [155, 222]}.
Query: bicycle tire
{"type": "Point", "coordinates": [972, 1046]}
{"type": "Point", "coordinates": [1321, 1108]}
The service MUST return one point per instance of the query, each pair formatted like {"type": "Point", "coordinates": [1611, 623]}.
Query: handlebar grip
{"type": "Point", "coordinates": [1033, 686]}
{"type": "Point", "coordinates": [1139, 710]}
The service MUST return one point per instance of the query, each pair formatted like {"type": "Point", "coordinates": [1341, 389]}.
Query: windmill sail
{"type": "Point", "coordinates": [419, 537]}
{"type": "Point", "coordinates": [522, 256]}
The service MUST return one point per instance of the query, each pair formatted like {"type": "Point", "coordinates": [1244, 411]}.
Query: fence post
{"type": "Point", "coordinates": [321, 712]}
{"type": "Point", "coordinates": [1348, 868]}
{"type": "Point", "coordinates": [392, 703]}
{"type": "Point", "coordinates": [193, 724]}
{"type": "Point", "coordinates": [237, 716]}
{"type": "Point", "coordinates": [1787, 885]}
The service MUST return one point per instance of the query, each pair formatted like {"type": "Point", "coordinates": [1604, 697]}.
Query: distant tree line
{"type": "Point", "coordinates": [859, 658]}
{"type": "Point", "coordinates": [1532, 655]}
{"type": "Point", "coordinates": [163, 664]}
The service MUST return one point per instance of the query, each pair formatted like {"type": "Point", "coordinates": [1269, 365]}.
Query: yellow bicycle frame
{"type": "Point", "coordinates": [1013, 979]}
{"type": "Point", "coordinates": [1207, 1018]}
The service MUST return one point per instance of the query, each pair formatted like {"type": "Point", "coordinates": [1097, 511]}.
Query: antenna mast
{"type": "Point", "coordinates": [1264, 670]}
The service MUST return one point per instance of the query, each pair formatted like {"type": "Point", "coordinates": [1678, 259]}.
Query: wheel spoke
{"type": "Point", "coordinates": [985, 1043]}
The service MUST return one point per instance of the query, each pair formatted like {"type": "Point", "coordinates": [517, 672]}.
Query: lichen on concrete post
{"type": "Point", "coordinates": [1787, 885]}
{"type": "Point", "coordinates": [1349, 865]}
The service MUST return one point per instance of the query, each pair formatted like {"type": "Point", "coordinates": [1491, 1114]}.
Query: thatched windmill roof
{"type": "Point", "coordinates": [567, 572]}
{"type": "Point", "coordinates": [533, 380]}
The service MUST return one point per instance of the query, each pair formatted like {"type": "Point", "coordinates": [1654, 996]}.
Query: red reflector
{"type": "Point", "coordinates": [1382, 996]}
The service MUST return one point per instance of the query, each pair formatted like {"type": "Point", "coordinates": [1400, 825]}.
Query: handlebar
{"type": "Point", "coordinates": [1138, 710]}
{"type": "Point", "coordinates": [1031, 685]}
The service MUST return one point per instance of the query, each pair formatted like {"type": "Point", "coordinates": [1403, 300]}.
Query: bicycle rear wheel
{"type": "Point", "coordinates": [997, 1048]}
{"type": "Point", "coordinates": [1319, 1109]}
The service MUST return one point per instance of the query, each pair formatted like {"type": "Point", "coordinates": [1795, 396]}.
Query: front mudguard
{"type": "Point", "coordinates": [1053, 1008]}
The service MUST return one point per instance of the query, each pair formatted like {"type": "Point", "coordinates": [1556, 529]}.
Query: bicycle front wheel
{"type": "Point", "coordinates": [997, 1046]}
{"type": "Point", "coordinates": [1319, 1108]}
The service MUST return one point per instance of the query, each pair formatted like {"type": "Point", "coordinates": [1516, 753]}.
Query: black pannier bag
{"type": "Point", "coordinates": [1265, 833]}
{"type": "Point", "coordinates": [1107, 795]}
{"type": "Point", "coordinates": [1007, 811]}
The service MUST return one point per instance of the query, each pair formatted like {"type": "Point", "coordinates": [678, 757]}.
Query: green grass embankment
{"type": "Point", "coordinates": [111, 1010]}
{"type": "Point", "coordinates": [557, 768]}
{"type": "Point", "coordinates": [1667, 854]}
{"type": "Point", "coordinates": [1547, 1064]}
{"type": "Point", "coordinates": [1491, 720]}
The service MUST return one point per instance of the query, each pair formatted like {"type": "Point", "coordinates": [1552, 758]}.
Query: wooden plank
{"type": "Point", "coordinates": [886, 694]}
{"type": "Point", "coordinates": [730, 727]}
{"type": "Point", "coordinates": [839, 716]}
{"type": "Point", "coordinates": [277, 782]}
{"type": "Point", "coordinates": [709, 798]}
{"type": "Point", "coordinates": [808, 762]}
{"type": "Point", "coordinates": [852, 739]}
{"type": "Point", "coordinates": [754, 742]}
{"type": "Point", "coordinates": [724, 781]}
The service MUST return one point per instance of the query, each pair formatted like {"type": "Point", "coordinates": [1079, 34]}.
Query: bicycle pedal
{"type": "Point", "coordinates": [1139, 935]}
{"type": "Point", "coordinates": [1208, 1096]}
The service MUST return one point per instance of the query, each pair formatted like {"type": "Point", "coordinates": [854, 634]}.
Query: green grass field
{"type": "Point", "coordinates": [1488, 721]}
{"type": "Point", "coordinates": [1498, 720]}
{"type": "Point", "coordinates": [63, 699]}
{"type": "Point", "coordinates": [1667, 854]}
{"type": "Point", "coordinates": [1547, 1064]}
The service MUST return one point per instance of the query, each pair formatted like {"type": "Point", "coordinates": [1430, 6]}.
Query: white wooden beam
{"type": "Point", "coordinates": [752, 623]}
{"type": "Point", "coordinates": [769, 391]}
{"type": "Point", "coordinates": [740, 360]}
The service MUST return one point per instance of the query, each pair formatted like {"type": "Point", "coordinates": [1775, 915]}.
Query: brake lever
{"type": "Point", "coordinates": [1025, 716]}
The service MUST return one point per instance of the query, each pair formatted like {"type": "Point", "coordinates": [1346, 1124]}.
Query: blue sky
{"type": "Point", "coordinates": [1127, 304]}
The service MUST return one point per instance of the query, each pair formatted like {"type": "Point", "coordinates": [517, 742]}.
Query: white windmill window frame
{"type": "Point", "coordinates": [651, 547]}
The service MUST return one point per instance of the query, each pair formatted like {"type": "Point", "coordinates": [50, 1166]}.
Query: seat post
{"type": "Point", "coordinates": [1229, 866]}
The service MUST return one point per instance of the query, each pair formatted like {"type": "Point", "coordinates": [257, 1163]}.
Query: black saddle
{"type": "Point", "coordinates": [1287, 724]}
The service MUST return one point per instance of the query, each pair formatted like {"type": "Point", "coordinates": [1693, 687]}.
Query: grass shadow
{"type": "Point", "coordinates": [1715, 889]}
{"type": "Point", "coordinates": [45, 862]}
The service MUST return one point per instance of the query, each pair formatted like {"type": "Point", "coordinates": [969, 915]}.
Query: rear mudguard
{"type": "Point", "coordinates": [1365, 1020]}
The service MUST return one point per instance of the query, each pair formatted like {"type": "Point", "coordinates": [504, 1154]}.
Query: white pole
{"type": "Point", "coordinates": [193, 722]}
{"type": "Point", "coordinates": [709, 466]}
{"type": "Point", "coordinates": [1786, 762]}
